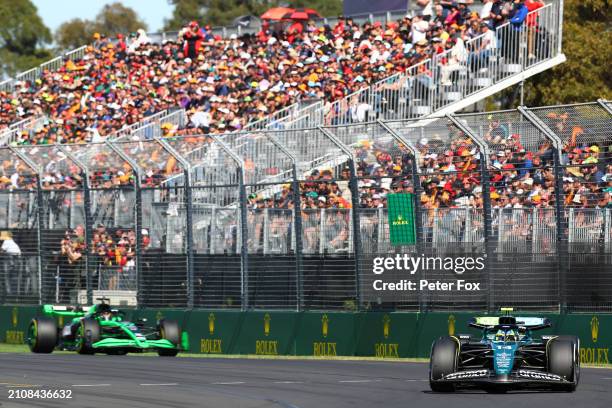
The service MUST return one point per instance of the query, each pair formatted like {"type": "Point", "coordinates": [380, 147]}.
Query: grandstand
{"type": "Point", "coordinates": [256, 173]}
{"type": "Point", "coordinates": [355, 71]}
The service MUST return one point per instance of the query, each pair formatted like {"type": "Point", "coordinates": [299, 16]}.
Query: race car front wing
{"type": "Point", "coordinates": [516, 377]}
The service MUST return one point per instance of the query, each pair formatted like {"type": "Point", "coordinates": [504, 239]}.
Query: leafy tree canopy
{"type": "Point", "coordinates": [585, 76]}
{"type": "Point", "coordinates": [223, 12]}
{"type": "Point", "coordinates": [23, 37]}
{"type": "Point", "coordinates": [114, 18]}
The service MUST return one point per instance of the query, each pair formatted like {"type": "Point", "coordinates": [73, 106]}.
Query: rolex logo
{"type": "Point", "coordinates": [451, 325]}
{"type": "Point", "coordinates": [400, 220]}
{"type": "Point", "coordinates": [386, 325]}
{"type": "Point", "coordinates": [211, 324]}
{"type": "Point", "coordinates": [15, 316]}
{"type": "Point", "coordinates": [324, 325]}
{"type": "Point", "coordinates": [594, 328]}
{"type": "Point", "coordinates": [267, 319]}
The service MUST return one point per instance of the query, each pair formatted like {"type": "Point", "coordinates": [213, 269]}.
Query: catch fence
{"type": "Point", "coordinates": [295, 219]}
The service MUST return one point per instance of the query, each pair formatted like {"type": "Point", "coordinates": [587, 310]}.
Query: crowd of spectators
{"type": "Point", "coordinates": [226, 83]}
{"type": "Point", "coordinates": [521, 171]}
{"type": "Point", "coordinates": [112, 255]}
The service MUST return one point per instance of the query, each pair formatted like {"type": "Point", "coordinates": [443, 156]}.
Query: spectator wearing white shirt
{"type": "Point", "coordinates": [456, 60]}
{"type": "Point", "coordinates": [478, 59]}
{"type": "Point", "coordinates": [485, 11]}
{"type": "Point", "coordinates": [11, 257]}
{"type": "Point", "coordinates": [419, 29]}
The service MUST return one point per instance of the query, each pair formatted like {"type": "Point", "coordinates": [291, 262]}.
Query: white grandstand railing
{"type": "Point", "coordinates": [272, 118]}
{"type": "Point", "coordinates": [151, 127]}
{"type": "Point", "coordinates": [420, 90]}
{"type": "Point", "coordinates": [128, 129]}
{"type": "Point", "coordinates": [35, 73]}
{"type": "Point", "coordinates": [12, 133]}
{"type": "Point", "coordinates": [307, 117]}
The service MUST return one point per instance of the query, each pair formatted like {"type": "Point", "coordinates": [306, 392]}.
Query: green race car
{"type": "Point", "coordinates": [102, 329]}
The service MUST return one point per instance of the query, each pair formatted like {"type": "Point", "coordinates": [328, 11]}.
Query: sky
{"type": "Point", "coordinates": [55, 12]}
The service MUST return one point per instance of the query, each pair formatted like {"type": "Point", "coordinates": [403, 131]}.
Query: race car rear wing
{"type": "Point", "coordinates": [490, 322]}
{"type": "Point", "coordinates": [61, 310]}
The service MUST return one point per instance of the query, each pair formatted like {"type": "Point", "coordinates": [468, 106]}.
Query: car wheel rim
{"type": "Point", "coordinates": [32, 335]}
{"type": "Point", "coordinates": [79, 338]}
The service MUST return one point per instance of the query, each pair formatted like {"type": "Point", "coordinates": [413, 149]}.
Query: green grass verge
{"type": "Point", "coordinates": [22, 348]}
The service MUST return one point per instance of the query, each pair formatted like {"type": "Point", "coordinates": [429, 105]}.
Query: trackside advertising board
{"type": "Point", "coordinates": [329, 334]}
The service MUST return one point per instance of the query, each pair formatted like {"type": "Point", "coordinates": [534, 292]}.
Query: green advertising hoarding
{"type": "Point", "coordinates": [330, 334]}
{"type": "Point", "coordinates": [401, 219]}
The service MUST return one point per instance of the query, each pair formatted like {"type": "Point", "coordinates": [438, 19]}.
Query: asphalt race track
{"type": "Point", "coordinates": [149, 382]}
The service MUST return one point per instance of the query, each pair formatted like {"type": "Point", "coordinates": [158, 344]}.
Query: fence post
{"type": "Point", "coordinates": [486, 206]}
{"type": "Point", "coordinates": [244, 232]}
{"type": "Point", "coordinates": [603, 104]}
{"type": "Point", "coordinates": [189, 246]}
{"type": "Point", "coordinates": [297, 219]}
{"type": "Point", "coordinates": [40, 215]}
{"type": "Point", "coordinates": [562, 249]}
{"type": "Point", "coordinates": [354, 187]}
{"type": "Point", "coordinates": [418, 216]}
{"type": "Point", "coordinates": [560, 28]}
{"type": "Point", "coordinates": [138, 221]}
{"type": "Point", "coordinates": [88, 235]}
{"type": "Point", "coordinates": [187, 197]}
{"type": "Point", "coordinates": [88, 221]}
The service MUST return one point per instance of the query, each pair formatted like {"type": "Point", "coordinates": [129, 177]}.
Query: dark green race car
{"type": "Point", "coordinates": [102, 329]}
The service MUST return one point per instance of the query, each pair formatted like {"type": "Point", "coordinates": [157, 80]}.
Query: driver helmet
{"type": "Point", "coordinates": [512, 335]}
{"type": "Point", "coordinates": [105, 312]}
{"type": "Point", "coordinates": [500, 335]}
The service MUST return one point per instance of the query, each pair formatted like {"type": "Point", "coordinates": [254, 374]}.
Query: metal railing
{"type": "Point", "coordinates": [239, 220]}
{"type": "Point", "coordinates": [443, 80]}
{"type": "Point", "coordinates": [13, 132]}
{"type": "Point", "coordinates": [35, 73]}
{"type": "Point", "coordinates": [151, 126]}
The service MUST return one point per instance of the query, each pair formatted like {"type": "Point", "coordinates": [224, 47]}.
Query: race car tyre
{"type": "Point", "coordinates": [443, 361]}
{"type": "Point", "coordinates": [87, 334]}
{"type": "Point", "coordinates": [576, 341]}
{"type": "Point", "coordinates": [562, 362]}
{"type": "Point", "coordinates": [42, 334]}
{"type": "Point", "coordinates": [169, 330]}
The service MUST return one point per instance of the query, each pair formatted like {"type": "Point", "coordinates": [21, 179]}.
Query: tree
{"type": "Point", "coordinates": [223, 12]}
{"type": "Point", "coordinates": [585, 76]}
{"type": "Point", "coordinates": [73, 33]}
{"type": "Point", "coordinates": [116, 18]}
{"type": "Point", "coordinates": [23, 37]}
{"type": "Point", "coordinates": [112, 19]}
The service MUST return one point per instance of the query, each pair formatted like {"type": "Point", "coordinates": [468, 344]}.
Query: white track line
{"type": "Point", "coordinates": [288, 382]}
{"type": "Point", "coordinates": [91, 385]}
{"type": "Point", "coordinates": [228, 383]}
{"type": "Point", "coordinates": [146, 385]}
{"type": "Point", "coordinates": [354, 381]}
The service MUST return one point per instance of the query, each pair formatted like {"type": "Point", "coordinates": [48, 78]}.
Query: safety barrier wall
{"type": "Point", "coordinates": [331, 334]}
